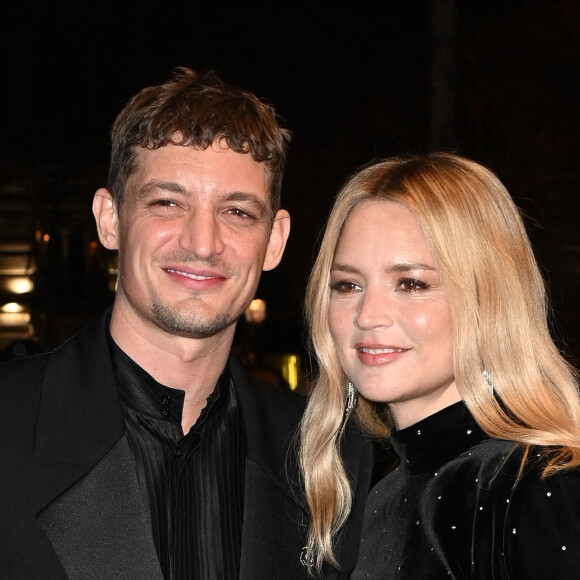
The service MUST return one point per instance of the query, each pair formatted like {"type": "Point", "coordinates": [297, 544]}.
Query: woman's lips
{"type": "Point", "coordinates": [379, 354]}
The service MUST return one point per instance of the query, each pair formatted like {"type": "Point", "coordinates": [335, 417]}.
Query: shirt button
{"type": "Point", "coordinates": [177, 451]}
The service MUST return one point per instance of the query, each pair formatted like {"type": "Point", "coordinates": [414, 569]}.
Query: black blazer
{"type": "Point", "coordinates": [70, 504]}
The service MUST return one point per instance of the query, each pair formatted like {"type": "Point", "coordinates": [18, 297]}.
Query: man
{"type": "Point", "coordinates": [140, 449]}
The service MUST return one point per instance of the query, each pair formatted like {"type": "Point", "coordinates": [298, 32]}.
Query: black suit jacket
{"type": "Point", "coordinates": [70, 503]}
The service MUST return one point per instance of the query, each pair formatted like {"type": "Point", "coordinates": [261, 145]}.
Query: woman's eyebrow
{"type": "Point", "coordinates": [344, 268]}
{"type": "Point", "coordinates": [399, 267]}
{"type": "Point", "coordinates": [406, 267]}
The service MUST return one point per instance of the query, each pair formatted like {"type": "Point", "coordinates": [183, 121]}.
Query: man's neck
{"type": "Point", "coordinates": [191, 365]}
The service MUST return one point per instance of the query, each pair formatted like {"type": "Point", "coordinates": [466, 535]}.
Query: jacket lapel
{"type": "Point", "coordinates": [271, 419]}
{"type": "Point", "coordinates": [95, 521]}
{"type": "Point", "coordinates": [99, 528]}
{"type": "Point", "coordinates": [275, 516]}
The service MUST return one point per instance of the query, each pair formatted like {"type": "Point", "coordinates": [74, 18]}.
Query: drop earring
{"type": "Point", "coordinates": [489, 381]}
{"type": "Point", "coordinates": [351, 399]}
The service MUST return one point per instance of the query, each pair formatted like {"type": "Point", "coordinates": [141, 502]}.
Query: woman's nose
{"type": "Point", "coordinates": [374, 309]}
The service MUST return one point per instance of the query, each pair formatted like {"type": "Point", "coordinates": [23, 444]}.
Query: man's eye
{"type": "Point", "coordinates": [411, 285]}
{"type": "Point", "coordinates": [240, 213]}
{"type": "Point", "coordinates": [163, 203]}
{"type": "Point", "coordinates": [344, 286]}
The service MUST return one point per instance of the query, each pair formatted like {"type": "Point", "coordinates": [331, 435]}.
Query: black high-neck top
{"type": "Point", "coordinates": [192, 483]}
{"type": "Point", "coordinates": [455, 509]}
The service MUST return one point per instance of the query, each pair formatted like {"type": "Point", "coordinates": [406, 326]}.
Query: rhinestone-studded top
{"type": "Point", "coordinates": [455, 508]}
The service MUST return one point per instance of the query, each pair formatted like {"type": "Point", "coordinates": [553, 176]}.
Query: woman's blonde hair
{"type": "Point", "coordinates": [498, 307]}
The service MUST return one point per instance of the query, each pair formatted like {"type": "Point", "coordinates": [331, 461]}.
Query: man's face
{"type": "Point", "coordinates": [194, 234]}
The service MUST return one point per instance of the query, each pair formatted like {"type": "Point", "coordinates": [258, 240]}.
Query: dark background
{"type": "Point", "coordinates": [496, 81]}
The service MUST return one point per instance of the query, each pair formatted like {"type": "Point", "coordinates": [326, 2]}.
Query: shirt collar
{"type": "Point", "coordinates": [141, 392]}
{"type": "Point", "coordinates": [436, 439]}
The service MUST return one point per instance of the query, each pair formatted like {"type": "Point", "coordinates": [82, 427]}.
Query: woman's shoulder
{"type": "Point", "coordinates": [546, 493]}
{"type": "Point", "coordinates": [542, 524]}
{"type": "Point", "coordinates": [490, 462]}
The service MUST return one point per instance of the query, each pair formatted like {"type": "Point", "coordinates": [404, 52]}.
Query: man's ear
{"type": "Point", "coordinates": [105, 212]}
{"type": "Point", "coordinates": [278, 238]}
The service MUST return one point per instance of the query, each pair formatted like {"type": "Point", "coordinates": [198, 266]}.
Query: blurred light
{"type": "Point", "coordinates": [17, 285]}
{"type": "Point", "coordinates": [256, 311]}
{"type": "Point", "coordinates": [93, 248]}
{"type": "Point", "coordinates": [288, 365]}
{"type": "Point", "coordinates": [46, 238]}
{"type": "Point", "coordinates": [113, 264]}
{"type": "Point", "coordinates": [12, 307]}
{"type": "Point", "coordinates": [14, 319]}
{"type": "Point", "coordinates": [16, 264]}
{"type": "Point", "coordinates": [290, 370]}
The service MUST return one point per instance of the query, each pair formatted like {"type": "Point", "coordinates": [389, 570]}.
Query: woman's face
{"type": "Point", "coordinates": [388, 314]}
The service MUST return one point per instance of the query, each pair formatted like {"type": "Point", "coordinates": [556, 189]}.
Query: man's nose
{"type": "Point", "coordinates": [202, 235]}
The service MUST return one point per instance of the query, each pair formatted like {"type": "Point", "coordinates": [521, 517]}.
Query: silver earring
{"type": "Point", "coordinates": [350, 399]}
{"type": "Point", "coordinates": [306, 558]}
{"type": "Point", "coordinates": [489, 381]}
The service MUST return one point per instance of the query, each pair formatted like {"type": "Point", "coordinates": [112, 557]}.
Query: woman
{"type": "Point", "coordinates": [426, 304]}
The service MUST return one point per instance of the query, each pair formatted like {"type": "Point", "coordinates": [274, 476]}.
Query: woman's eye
{"type": "Point", "coordinates": [344, 286]}
{"type": "Point", "coordinates": [411, 285]}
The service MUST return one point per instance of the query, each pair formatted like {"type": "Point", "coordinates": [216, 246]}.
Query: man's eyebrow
{"type": "Point", "coordinates": [248, 197]}
{"type": "Point", "coordinates": [152, 186]}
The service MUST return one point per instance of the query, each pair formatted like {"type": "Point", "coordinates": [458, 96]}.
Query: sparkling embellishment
{"type": "Point", "coordinates": [418, 431]}
{"type": "Point", "coordinates": [453, 527]}
{"type": "Point", "coordinates": [514, 531]}
{"type": "Point", "coordinates": [417, 522]}
{"type": "Point", "coordinates": [436, 474]}
{"type": "Point", "coordinates": [305, 558]}
{"type": "Point", "coordinates": [563, 547]}
{"type": "Point", "coordinates": [480, 508]}
{"type": "Point", "coordinates": [549, 494]}
{"type": "Point", "coordinates": [439, 497]}
{"type": "Point", "coordinates": [469, 431]}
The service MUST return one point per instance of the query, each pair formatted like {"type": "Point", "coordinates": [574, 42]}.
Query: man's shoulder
{"type": "Point", "coordinates": [21, 372]}
{"type": "Point", "coordinates": [271, 414]}
{"type": "Point", "coordinates": [20, 388]}
{"type": "Point", "coordinates": [265, 394]}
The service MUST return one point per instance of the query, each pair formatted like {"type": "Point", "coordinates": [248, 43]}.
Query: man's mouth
{"type": "Point", "coordinates": [190, 275]}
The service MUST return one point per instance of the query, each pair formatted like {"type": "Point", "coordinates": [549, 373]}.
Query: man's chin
{"type": "Point", "coordinates": [190, 325]}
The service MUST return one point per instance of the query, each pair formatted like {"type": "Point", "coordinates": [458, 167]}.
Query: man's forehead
{"type": "Point", "coordinates": [192, 166]}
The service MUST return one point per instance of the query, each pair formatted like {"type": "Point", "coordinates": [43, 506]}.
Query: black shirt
{"type": "Point", "coordinates": [193, 483]}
